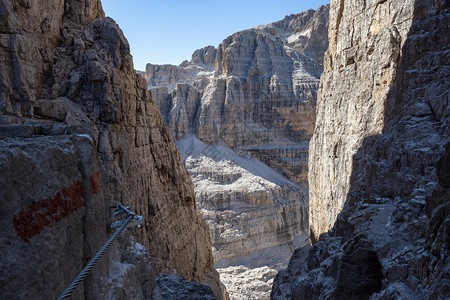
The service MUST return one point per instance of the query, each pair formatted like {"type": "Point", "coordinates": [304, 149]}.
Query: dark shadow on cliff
{"type": "Point", "coordinates": [391, 237]}
{"type": "Point", "coordinates": [399, 187]}
{"type": "Point", "coordinates": [415, 134]}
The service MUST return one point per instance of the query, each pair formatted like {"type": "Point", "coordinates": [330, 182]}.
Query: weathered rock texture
{"type": "Point", "coordinates": [256, 93]}
{"type": "Point", "coordinates": [169, 76]}
{"type": "Point", "coordinates": [248, 206]}
{"type": "Point", "coordinates": [63, 63]}
{"type": "Point", "coordinates": [383, 149]}
{"type": "Point", "coordinates": [45, 192]}
{"type": "Point", "coordinates": [248, 283]}
{"type": "Point", "coordinates": [170, 286]}
{"type": "Point", "coordinates": [360, 69]}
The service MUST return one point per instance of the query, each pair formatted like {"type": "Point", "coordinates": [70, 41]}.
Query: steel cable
{"type": "Point", "coordinates": [84, 273]}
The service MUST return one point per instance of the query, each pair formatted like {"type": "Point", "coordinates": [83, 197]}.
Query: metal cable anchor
{"type": "Point", "coordinates": [120, 209]}
{"type": "Point", "coordinates": [132, 218]}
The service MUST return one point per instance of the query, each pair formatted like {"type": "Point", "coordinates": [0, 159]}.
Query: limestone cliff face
{"type": "Point", "coordinates": [248, 206]}
{"type": "Point", "coordinates": [169, 75]}
{"type": "Point", "coordinates": [255, 215]}
{"type": "Point", "coordinates": [63, 63]}
{"type": "Point", "coordinates": [360, 69]}
{"type": "Point", "coordinates": [379, 152]}
{"type": "Point", "coordinates": [256, 93]}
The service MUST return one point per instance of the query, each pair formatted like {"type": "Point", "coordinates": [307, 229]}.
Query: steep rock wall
{"type": "Point", "coordinates": [248, 206]}
{"type": "Point", "coordinates": [391, 238]}
{"type": "Point", "coordinates": [52, 195]}
{"type": "Point", "coordinates": [75, 68]}
{"type": "Point", "coordinates": [255, 215]}
{"type": "Point", "coordinates": [359, 70]}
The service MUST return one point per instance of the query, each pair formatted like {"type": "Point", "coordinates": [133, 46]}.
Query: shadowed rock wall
{"type": "Point", "coordinates": [359, 70]}
{"type": "Point", "coordinates": [381, 158]}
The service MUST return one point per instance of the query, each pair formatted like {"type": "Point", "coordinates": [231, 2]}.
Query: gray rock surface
{"type": "Point", "coordinates": [64, 63]}
{"type": "Point", "coordinates": [360, 69]}
{"type": "Point", "coordinates": [49, 208]}
{"type": "Point", "coordinates": [388, 173]}
{"type": "Point", "coordinates": [131, 274]}
{"type": "Point", "coordinates": [52, 200]}
{"type": "Point", "coordinates": [248, 206]}
{"type": "Point", "coordinates": [202, 60]}
{"type": "Point", "coordinates": [248, 283]}
{"type": "Point", "coordinates": [173, 287]}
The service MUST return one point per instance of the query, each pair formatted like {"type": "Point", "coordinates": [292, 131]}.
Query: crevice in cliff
{"type": "Point", "coordinates": [338, 23]}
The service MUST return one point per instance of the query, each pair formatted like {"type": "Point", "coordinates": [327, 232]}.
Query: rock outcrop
{"type": "Point", "coordinates": [379, 152]}
{"type": "Point", "coordinates": [203, 60]}
{"type": "Point", "coordinates": [248, 283]}
{"type": "Point", "coordinates": [360, 69]}
{"type": "Point", "coordinates": [64, 65]}
{"type": "Point", "coordinates": [170, 286]}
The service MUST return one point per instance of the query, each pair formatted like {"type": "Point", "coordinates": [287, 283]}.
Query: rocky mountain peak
{"type": "Point", "coordinates": [304, 32]}
{"type": "Point", "coordinates": [249, 99]}
{"type": "Point", "coordinates": [204, 57]}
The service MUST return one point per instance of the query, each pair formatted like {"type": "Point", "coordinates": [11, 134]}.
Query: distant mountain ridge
{"type": "Point", "coordinates": [258, 87]}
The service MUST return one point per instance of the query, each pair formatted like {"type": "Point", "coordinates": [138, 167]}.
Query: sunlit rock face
{"type": "Point", "coordinates": [247, 204]}
{"type": "Point", "coordinates": [169, 75]}
{"type": "Point", "coordinates": [379, 158]}
{"type": "Point", "coordinates": [360, 70]}
{"type": "Point", "coordinates": [256, 216]}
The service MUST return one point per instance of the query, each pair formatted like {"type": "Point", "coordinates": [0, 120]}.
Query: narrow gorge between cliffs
{"type": "Point", "coordinates": [242, 115]}
{"type": "Point", "coordinates": [308, 158]}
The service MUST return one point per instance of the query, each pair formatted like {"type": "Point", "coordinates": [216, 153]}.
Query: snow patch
{"type": "Point", "coordinates": [305, 33]}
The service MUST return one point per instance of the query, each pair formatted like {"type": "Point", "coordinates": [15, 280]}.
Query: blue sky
{"type": "Point", "coordinates": [168, 32]}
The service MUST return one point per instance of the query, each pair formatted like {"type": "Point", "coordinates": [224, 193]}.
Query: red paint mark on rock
{"type": "Point", "coordinates": [95, 183]}
{"type": "Point", "coordinates": [38, 215]}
